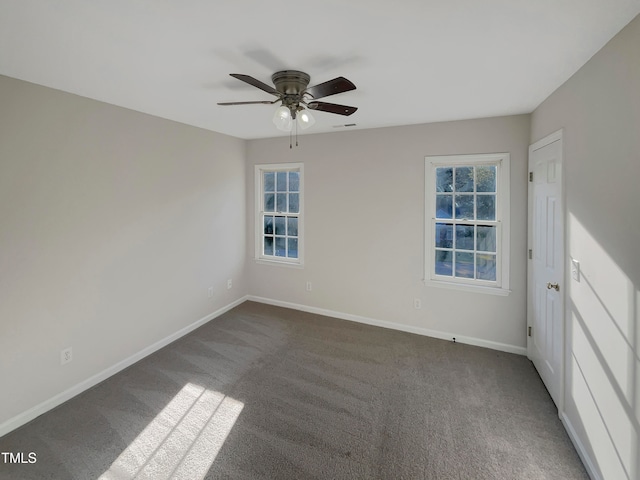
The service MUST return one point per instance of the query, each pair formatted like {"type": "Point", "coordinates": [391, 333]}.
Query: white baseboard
{"type": "Point", "coordinates": [68, 394]}
{"type": "Point", "coordinates": [582, 453]}
{"type": "Point", "coordinates": [503, 347]}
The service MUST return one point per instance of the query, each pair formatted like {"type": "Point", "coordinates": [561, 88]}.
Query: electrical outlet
{"type": "Point", "coordinates": [210, 292]}
{"type": "Point", "coordinates": [417, 303]}
{"type": "Point", "coordinates": [229, 284]}
{"type": "Point", "coordinates": [308, 286]}
{"type": "Point", "coordinates": [66, 356]}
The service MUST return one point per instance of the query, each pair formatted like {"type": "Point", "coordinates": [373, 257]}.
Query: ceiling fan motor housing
{"type": "Point", "coordinates": [290, 82]}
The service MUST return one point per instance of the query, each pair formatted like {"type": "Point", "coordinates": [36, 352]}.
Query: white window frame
{"type": "Point", "coordinates": [260, 257]}
{"type": "Point", "coordinates": [502, 161]}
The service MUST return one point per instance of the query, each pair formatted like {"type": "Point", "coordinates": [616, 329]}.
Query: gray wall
{"type": "Point", "coordinates": [364, 227]}
{"type": "Point", "coordinates": [113, 224]}
{"type": "Point", "coordinates": [599, 109]}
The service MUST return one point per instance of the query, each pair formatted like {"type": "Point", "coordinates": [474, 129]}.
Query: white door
{"type": "Point", "coordinates": [545, 296]}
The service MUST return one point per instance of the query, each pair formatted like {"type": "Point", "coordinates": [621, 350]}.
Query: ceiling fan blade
{"type": "Point", "coordinates": [332, 108]}
{"type": "Point", "coordinates": [330, 87]}
{"type": "Point", "coordinates": [265, 102]}
{"type": "Point", "coordinates": [256, 83]}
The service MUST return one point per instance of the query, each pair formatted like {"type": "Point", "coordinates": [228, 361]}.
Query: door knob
{"type": "Point", "coordinates": [555, 286]}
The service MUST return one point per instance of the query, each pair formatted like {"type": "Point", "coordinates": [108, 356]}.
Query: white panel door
{"type": "Point", "coordinates": [545, 305]}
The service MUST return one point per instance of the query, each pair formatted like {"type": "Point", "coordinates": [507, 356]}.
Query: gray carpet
{"type": "Point", "coordinates": [268, 393]}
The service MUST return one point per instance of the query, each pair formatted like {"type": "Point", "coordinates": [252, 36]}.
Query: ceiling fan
{"type": "Point", "coordinates": [296, 97]}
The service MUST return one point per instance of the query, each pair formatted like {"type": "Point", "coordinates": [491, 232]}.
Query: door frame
{"type": "Point", "coordinates": [543, 142]}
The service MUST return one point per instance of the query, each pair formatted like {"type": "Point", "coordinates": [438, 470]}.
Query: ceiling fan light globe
{"type": "Point", "coordinates": [305, 119]}
{"type": "Point", "coordinates": [282, 119]}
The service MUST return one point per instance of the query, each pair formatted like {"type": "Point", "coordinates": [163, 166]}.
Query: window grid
{"type": "Point", "coordinates": [279, 213]}
{"type": "Point", "coordinates": [489, 256]}
{"type": "Point", "coordinates": [467, 244]}
{"type": "Point", "coordinates": [464, 259]}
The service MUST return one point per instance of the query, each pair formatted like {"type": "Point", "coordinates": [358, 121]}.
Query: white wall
{"type": "Point", "coordinates": [599, 109]}
{"type": "Point", "coordinates": [364, 227]}
{"type": "Point", "coordinates": [113, 224]}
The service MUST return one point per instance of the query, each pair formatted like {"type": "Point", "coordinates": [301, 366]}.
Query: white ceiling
{"type": "Point", "coordinates": [413, 61]}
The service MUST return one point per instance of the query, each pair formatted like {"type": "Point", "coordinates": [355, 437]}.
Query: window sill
{"type": "Point", "coordinates": [276, 263]}
{"type": "Point", "coordinates": [502, 292]}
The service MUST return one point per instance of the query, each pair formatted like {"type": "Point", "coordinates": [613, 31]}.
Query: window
{"type": "Point", "coordinates": [279, 195]}
{"type": "Point", "coordinates": [467, 222]}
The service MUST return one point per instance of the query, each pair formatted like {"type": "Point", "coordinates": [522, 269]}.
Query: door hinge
{"type": "Point", "coordinates": [530, 254]}
{"type": "Point", "coordinates": [529, 332]}
{"type": "Point", "coordinates": [531, 176]}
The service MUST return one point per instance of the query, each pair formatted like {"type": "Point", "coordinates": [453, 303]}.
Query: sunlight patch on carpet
{"type": "Point", "coordinates": [182, 441]}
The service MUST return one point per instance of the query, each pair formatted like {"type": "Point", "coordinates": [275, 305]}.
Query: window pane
{"type": "Point", "coordinates": [464, 179]}
{"type": "Point", "coordinates": [269, 202]}
{"type": "Point", "coordinates": [486, 178]}
{"type": "Point", "coordinates": [292, 226]}
{"type": "Point", "coordinates": [294, 181]}
{"type": "Point", "coordinates": [280, 226]}
{"type": "Point", "coordinates": [464, 237]}
{"type": "Point", "coordinates": [294, 202]}
{"type": "Point", "coordinates": [486, 240]}
{"type": "Point", "coordinates": [464, 206]}
{"type": "Point", "coordinates": [444, 235]}
{"type": "Point", "coordinates": [268, 245]}
{"type": "Point", "coordinates": [443, 262]}
{"type": "Point", "coordinates": [444, 206]}
{"type": "Point", "coordinates": [444, 179]}
{"type": "Point", "coordinates": [268, 225]}
{"type": "Point", "coordinates": [293, 248]}
{"type": "Point", "coordinates": [486, 207]}
{"type": "Point", "coordinates": [281, 202]}
{"type": "Point", "coordinates": [281, 247]}
{"type": "Point", "coordinates": [269, 181]}
{"type": "Point", "coordinates": [486, 267]}
{"type": "Point", "coordinates": [464, 265]}
{"type": "Point", "coordinates": [281, 182]}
